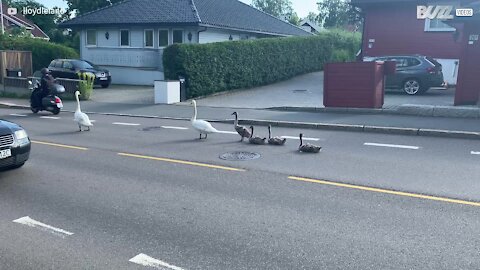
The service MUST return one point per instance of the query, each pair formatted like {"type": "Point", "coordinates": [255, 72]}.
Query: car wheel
{"type": "Point", "coordinates": [413, 87]}
{"type": "Point", "coordinates": [56, 111]}
{"type": "Point", "coordinates": [34, 110]}
{"type": "Point", "coordinates": [105, 85]}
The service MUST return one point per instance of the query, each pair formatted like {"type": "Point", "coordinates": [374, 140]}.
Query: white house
{"type": "Point", "coordinates": [128, 38]}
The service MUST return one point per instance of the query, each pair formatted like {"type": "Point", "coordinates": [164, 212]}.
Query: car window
{"type": "Point", "coordinates": [81, 64]}
{"type": "Point", "coordinates": [52, 64]}
{"type": "Point", "coordinates": [67, 65]}
{"type": "Point", "coordinates": [413, 62]}
{"type": "Point", "coordinates": [58, 64]}
{"type": "Point", "coordinates": [433, 61]}
{"type": "Point", "coordinates": [400, 62]}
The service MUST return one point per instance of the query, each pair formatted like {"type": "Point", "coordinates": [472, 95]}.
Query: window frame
{"type": "Point", "coordinates": [129, 39]}
{"type": "Point", "coordinates": [145, 38]}
{"type": "Point", "coordinates": [429, 28]}
{"type": "Point", "coordinates": [168, 37]}
{"type": "Point", "coordinates": [86, 38]}
{"type": "Point", "coordinates": [173, 36]}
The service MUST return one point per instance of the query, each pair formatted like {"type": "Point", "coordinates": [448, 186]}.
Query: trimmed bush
{"type": "Point", "coordinates": [85, 86]}
{"type": "Point", "coordinates": [43, 52]}
{"type": "Point", "coordinates": [216, 67]}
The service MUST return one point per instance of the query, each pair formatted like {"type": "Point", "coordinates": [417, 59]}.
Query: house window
{"type": "Point", "coordinates": [177, 36]}
{"type": "Point", "coordinates": [162, 38]}
{"type": "Point", "coordinates": [124, 38]}
{"type": "Point", "coordinates": [437, 25]}
{"type": "Point", "coordinates": [91, 37]}
{"type": "Point", "coordinates": [148, 38]}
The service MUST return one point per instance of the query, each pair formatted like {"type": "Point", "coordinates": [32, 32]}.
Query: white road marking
{"type": "Point", "coordinates": [393, 146]}
{"type": "Point", "coordinates": [15, 114]}
{"type": "Point", "coordinates": [475, 153]}
{"type": "Point", "coordinates": [227, 132]}
{"type": "Point", "coordinates": [50, 117]}
{"type": "Point", "coordinates": [304, 138]}
{"type": "Point", "coordinates": [146, 260]}
{"type": "Point", "coordinates": [36, 224]}
{"type": "Point", "coordinates": [126, 124]}
{"type": "Point", "coordinates": [170, 127]}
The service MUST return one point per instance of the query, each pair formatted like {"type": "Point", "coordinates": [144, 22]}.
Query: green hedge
{"type": "Point", "coordinates": [216, 67]}
{"type": "Point", "coordinates": [43, 52]}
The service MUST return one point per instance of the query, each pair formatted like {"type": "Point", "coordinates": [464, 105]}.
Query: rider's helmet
{"type": "Point", "coordinates": [45, 71]}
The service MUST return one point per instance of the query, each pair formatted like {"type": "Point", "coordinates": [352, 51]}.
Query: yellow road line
{"type": "Point", "coordinates": [183, 162]}
{"type": "Point", "coordinates": [61, 145]}
{"type": "Point", "coordinates": [386, 191]}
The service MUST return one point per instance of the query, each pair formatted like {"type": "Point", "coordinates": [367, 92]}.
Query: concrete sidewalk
{"type": "Point", "coordinates": [340, 120]}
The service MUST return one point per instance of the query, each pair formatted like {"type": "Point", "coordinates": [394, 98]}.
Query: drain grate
{"type": "Point", "coordinates": [300, 91]}
{"type": "Point", "coordinates": [240, 156]}
{"type": "Point", "coordinates": [150, 128]}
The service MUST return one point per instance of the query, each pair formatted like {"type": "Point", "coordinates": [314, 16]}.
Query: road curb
{"type": "Point", "coordinates": [405, 109]}
{"type": "Point", "coordinates": [320, 126]}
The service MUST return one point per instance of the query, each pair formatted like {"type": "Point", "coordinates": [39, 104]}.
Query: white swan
{"type": "Point", "coordinates": [201, 126]}
{"type": "Point", "coordinates": [80, 117]}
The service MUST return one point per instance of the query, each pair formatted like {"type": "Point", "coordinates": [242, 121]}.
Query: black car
{"type": "Point", "coordinates": [415, 74]}
{"type": "Point", "coordinates": [14, 145]}
{"type": "Point", "coordinates": [69, 68]}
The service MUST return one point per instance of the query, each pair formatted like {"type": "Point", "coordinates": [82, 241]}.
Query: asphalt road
{"type": "Point", "coordinates": [146, 186]}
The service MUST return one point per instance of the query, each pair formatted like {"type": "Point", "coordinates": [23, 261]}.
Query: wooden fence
{"type": "Point", "coordinates": [15, 60]}
{"type": "Point", "coordinates": [20, 85]}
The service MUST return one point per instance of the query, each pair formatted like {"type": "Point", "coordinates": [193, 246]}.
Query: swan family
{"type": "Point", "coordinates": [204, 127]}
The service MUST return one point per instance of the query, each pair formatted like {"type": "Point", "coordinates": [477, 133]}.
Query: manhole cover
{"type": "Point", "coordinates": [150, 128]}
{"type": "Point", "coordinates": [240, 156]}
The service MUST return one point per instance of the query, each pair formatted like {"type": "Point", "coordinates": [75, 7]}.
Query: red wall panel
{"type": "Point", "coordinates": [397, 31]}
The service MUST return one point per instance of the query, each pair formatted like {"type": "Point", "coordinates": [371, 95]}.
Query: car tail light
{"type": "Point", "coordinates": [431, 70]}
{"type": "Point", "coordinates": [58, 100]}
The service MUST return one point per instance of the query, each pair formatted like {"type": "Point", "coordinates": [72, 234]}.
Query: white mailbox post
{"type": "Point", "coordinates": [167, 92]}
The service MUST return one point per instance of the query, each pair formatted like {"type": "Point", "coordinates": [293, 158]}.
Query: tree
{"type": "Point", "coordinates": [278, 8]}
{"type": "Point", "coordinates": [337, 13]}
{"type": "Point", "coordinates": [79, 7]}
{"type": "Point", "coordinates": [294, 19]}
{"type": "Point", "coordinates": [313, 17]}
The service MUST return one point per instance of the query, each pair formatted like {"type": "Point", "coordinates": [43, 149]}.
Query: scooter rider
{"type": "Point", "coordinates": [46, 81]}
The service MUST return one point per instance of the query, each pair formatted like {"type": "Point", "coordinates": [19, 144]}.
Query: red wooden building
{"type": "Point", "coordinates": [391, 27]}
{"type": "Point", "coordinates": [468, 87]}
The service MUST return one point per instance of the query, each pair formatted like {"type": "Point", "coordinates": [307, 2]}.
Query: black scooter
{"type": "Point", "coordinates": [51, 102]}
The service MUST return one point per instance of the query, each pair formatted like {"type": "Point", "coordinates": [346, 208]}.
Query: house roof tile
{"type": "Point", "coordinates": [217, 13]}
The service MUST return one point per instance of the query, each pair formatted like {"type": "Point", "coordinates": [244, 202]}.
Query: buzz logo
{"type": "Point", "coordinates": [12, 11]}
{"type": "Point", "coordinates": [435, 12]}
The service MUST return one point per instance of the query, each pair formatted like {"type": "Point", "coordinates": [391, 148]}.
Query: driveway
{"type": "Point", "coordinates": [307, 91]}
{"type": "Point", "coordinates": [301, 91]}
{"type": "Point", "coordinates": [124, 94]}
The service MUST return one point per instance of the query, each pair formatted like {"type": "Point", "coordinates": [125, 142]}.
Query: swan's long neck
{"type": "Point", "coordinates": [236, 120]}
{"type": "Point", "coordinates": [269, 132]}
{"type": "Point", "coordinates": [194, 117]}
{"type": "Point", "coordinates": [301, 140]}
{"type": "Point", "coordinates": [251, 128]}
{"type": "Point", "coordinates": [78, 103]}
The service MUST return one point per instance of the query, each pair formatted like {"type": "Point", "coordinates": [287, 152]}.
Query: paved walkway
{"type": "Point", "coordinates": [307, 91]}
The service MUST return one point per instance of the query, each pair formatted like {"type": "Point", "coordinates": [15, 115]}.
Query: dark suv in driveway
{"type": "Point", "coordinates": [415, 74]}
{"type": "Point", "coordinates": [68, 68]}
